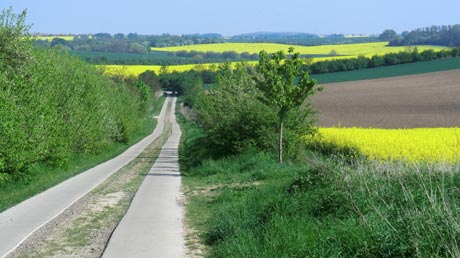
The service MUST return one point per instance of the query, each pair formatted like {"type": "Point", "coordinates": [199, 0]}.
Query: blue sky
{"type": "Point", "coordinates": [231, 17]}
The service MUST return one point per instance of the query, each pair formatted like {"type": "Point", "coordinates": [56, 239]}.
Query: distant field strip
{"type": "Point", "coordinates": [364, 74]}
{"type": "Point", "coordinates": [135, 70]}
{"type": "Point", "coordinates": [414, 145]}
{"type": "Point", "coordinates": [375, 48]}
{"type": "Point", "coordinates": [50, 38]}
{"type": "Point", "coordinates": [390, 71]}
{"type": "Point", "coordinates": [343, 51]}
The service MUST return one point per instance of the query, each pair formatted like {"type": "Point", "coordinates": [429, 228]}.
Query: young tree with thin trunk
{"type": "Point", "coordinates": [284, 84]}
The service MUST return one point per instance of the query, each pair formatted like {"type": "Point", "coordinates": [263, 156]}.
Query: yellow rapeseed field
{"type": "Point", "coordinates": [350, 50]}
{"type": "Point", "coordinates": [135, 70]}
{"type": "Point", "coordinates": [130, 70]}
{"type": "Point", "coordinates": [50, 38]}
{"type": "Point", "coordinates": [343, 51]}
{"type": "Point", "coordinates": [413, 145]}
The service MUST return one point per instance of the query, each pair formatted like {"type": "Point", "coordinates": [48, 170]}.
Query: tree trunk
{"type": "Point", "coordinates": [281, 140]}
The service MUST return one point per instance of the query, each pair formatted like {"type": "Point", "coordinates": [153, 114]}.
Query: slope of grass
{"type": "Point", "coordinates": [390, 71]}
{"type": "Point", "coordinates": [250, 206]}
{"type": "Point", "coordinates": [45, 176]}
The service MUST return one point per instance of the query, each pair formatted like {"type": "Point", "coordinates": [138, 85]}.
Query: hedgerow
{"type": "Point", "coordinates": [53, 104]}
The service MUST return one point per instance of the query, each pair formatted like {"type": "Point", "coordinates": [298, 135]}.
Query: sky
{"type": "Point", "coordinates": [231, 17]}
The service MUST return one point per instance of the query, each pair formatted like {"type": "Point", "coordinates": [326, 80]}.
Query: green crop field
{"type": "Point", "coordinates": [390, 71]}
{"type": "Point", "coordinates": [349, 50]}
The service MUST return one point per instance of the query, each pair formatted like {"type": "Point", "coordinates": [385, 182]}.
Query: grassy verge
{"type": "Point", "coordinates": [390, 71]}
{"type": "Point", "coordinates": [44, 177]}
{"type": "Point", "coordinates": [250, 206]}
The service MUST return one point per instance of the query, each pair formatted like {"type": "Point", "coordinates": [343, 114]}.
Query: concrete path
{"type": "Point", "coordinates": [153, 225]}
{"type": "Point", "coordinates": [20, 221]}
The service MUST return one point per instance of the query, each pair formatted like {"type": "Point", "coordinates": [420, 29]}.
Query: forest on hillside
{"type": "Point", "coordinates": [446, 35]}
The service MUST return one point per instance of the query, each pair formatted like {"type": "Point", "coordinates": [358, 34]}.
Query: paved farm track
{"type": "Point", "coordinates": [22, 220]}
{"type": "Point", "coordinates": [153, 226]}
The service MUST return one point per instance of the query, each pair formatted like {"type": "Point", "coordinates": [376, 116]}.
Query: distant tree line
{"type": "Point", "coordinates": [150, 61]}
{"type": "Point", "coordinates": [304, 39]}
{"type": "Point", "coordinates": [361, 62]}
{"type": "Point", "coordinates": [446, 35]}
{"type": "Point", "coordinates": [167, 40]}
{"type": "Point", "coordinates": [173, 58]}
{"type": "Point", "coordinates": [100, 42]}
{"type": "Point", "coordinates": [130, 43]}
{"type": "Point", "coordinates": [163, 58]}
{"type": "Point", "coordinates": [226, 55]}
{"type": "Point", "coordinates": [175, 81]}
{"type": "Point", "coordinates": [141, 44]}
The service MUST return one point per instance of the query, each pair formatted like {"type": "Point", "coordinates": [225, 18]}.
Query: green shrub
{"type": "Point", "coordinates": [235, 119]}
{"type": "Point", "coordinates": [53, 104]}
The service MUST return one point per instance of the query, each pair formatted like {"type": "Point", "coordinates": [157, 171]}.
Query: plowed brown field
{"type": "Point", "coordinates": [425, 100]}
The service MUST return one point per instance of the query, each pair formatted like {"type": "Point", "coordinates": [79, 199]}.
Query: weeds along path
{"type": "Point", "coordinates": [21, 221]}
{"type": "Point", "coordinates": [153, 225]}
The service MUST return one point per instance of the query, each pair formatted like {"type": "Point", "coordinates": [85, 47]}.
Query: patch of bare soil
{"type": "Point", "coordinates": [425, 100]}
{"type": "Point", "coordinates": [211, 190]}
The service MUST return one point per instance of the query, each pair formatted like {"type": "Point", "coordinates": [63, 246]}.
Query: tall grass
{"type": "Point", "coordinates": [257, 208]}
{"type": "Point", "coordinates": [410, 209]}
